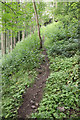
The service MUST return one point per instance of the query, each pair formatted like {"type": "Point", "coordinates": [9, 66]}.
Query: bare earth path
{"type": "Point", "coordinates": [34, 94]}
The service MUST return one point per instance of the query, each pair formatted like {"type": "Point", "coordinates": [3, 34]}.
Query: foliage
{"type": "Point", "coordinates": [18, 67]}
{"type": "Point", "coordinates": [64, 48]}
{"type": "Point", "coordinates": [18, 71]}
{"type": "Point", "coordinates": [20, 15]}
{"type": "Point", "coordinates": [60, 40]}
{"type": "Point", "coordinates": [14, 12]}
{"type": "Point", "coordinates": [61, 97]}
{"type": "Point", "coordinates": [61, 94]}
{"type": "Point", "coordinates": [13, 90]}
{"type": "Point", "coordinates": [24, 54]}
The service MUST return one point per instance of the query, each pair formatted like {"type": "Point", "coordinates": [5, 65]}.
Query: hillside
{"type": "Point", "coordinates": [40, 61]}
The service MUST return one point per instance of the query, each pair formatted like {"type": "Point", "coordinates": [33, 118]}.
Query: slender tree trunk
{"type": "Point", "coordinates": [34, 5]}
{"type": "Point", "coordinates": [56, 4]}
{"type": "Point", "coordinates": [19, 36]}
{"type": "Point", "coordinates": [5, 42]}
{"type": "Point", "coordinates": [53, 11]}
{"type": "Point", "coordinates": [26, 31]}
{"type": "Point", "coordinates": [14, 42]}
{"type": "Point", "coordinates": [53, 3]}
{"type": "Point", "coordinates": [11, 41]}
{"type": "Point", "coordinates": [8, 40]}
{"type": "Point", "coordinates": [35, 28]}
{"type": "Point", "coordinates": [30, 30]}
{"type": "Point", "coordinates": [23, 34]}
{"type": "Point", "coordinates": [3, 36]}
{"type": "Point", "coordinates": [18, 8]}
{"type": "Point", "coordinates": [33, 24]}
{"type": "Point", "coordinates": [2, 43]}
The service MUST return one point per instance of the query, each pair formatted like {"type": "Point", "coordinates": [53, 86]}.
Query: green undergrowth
{"type": "Point", "coordinates": [18, 71]}
{"type": "Point", "coordinates": [61, 97]}
{"type": "Point", "coordinates": [61, 94]}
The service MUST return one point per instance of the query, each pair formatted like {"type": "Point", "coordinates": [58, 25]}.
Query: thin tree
{"type": "Point", "coordinates": [53, 8]}
{"type": "Point", "coordinates": [56, 4]}
{"type": "Point", "coordinates": [3, 35]}
{"type": "Point", "coordinates": [2, 43]}
{"type": "Point", "coordinates": [8, 34]}
{"type": "Point", "coordinates": [37, 21]}
{"type": "Point", "coordinates": [11, 40]}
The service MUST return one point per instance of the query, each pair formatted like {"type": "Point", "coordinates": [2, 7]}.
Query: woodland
{"type": "Point", "coordinates": [39, 58]}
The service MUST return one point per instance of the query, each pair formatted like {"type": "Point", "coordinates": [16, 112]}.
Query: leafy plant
{"type": "Point", "coordinates": [18, 71]}
{"type": "Point", "coordinates": [61, 94]}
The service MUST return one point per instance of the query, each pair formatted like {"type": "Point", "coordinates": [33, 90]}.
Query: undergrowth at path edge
{"type": "Point", "coordinates": [61, 94]}
{"type": "Point", "coordinates": [18, 71]}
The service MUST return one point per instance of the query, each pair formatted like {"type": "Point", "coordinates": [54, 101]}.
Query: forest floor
{"type": "Point", "coordinates": [34, 94]}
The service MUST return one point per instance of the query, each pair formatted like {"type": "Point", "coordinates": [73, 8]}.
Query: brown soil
{"type": "Point", "coordinates": [34, 94]}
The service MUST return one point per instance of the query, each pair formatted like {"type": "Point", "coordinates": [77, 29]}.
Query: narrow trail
{"type": "Point", "coordinates": [34, 94]}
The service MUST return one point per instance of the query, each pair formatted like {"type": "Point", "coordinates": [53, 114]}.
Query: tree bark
{"type": "Point", "coordinates": [8, 34]}
{"type": "Point", "coordinates": [23, 34]}
{"type": "Point", "coordinates": [3, 35]}
{"type": "Point", "coordinates": [37, 21]}
{"type": "Point", "coordinates": [53, 3]}
{"type": "Point", "coordinates": [56, 4]}
{"type": "Point", "coordinates": [53, 8]}
{"type": "Point", "coordinates": [30, 30]}
{"type": "Point", "coordinates": [19, 36]}
{"type": "Point", "coordinates": [26, 31]}
{"type": "Point", "coordinates": [2, 43]}
{"type": "Point", "coordinates": [11, 41]}
{"type": "Point", "coordinates": [5, 42]}
{"type": "Point", "coordinates": [14, 42]}
{"type": "Point", "coordinates": [33, 28]}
